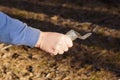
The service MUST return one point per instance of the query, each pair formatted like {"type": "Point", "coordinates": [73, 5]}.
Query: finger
{"type": "Point", "coordinates": [68, 41]}
{"type": "Point", "coordinates": [59, 49]}
{"type": "Point", "coordinates": [53, 52]}
{"type": "Point", "coordinates": [60, 52]}
{"type": "Point", "coordinates": [65, 47]}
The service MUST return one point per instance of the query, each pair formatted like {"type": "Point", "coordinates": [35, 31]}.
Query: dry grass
{"type": "Point", "coordinates": [97, 58]}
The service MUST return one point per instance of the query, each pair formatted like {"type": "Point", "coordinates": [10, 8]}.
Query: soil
{"type": "Point", "coordinates": [96, 58]}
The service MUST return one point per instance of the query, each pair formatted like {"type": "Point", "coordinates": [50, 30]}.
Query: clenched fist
{"type": "Point", "coordinates": [54, 43]}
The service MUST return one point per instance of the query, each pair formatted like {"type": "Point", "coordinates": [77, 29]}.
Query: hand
{"type": "Point", "coordinates": [54, 43]}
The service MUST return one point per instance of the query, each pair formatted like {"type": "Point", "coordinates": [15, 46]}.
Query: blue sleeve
{"type": "Point", "coordinates": [13, 31]}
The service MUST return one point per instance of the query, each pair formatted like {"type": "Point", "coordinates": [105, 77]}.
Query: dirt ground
{"type": "Point", "coordinates": [96, 58]}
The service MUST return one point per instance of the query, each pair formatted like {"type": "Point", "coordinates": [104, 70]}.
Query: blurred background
{"type": "Point", "coordinates": [96, 58]}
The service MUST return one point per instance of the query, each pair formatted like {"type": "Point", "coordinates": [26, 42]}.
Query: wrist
{"type": "Point", "coordinates": [39, 39]}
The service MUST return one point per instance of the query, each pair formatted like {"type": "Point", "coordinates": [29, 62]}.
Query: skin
{"type": "Point", "coordinates": [54, 43]}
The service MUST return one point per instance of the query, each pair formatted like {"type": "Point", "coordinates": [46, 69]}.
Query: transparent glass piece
{"type": "Point", "coordinates": [74, 35]}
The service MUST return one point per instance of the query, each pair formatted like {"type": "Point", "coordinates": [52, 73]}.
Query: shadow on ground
{"type": "Point", "coordinates": [102, 18]}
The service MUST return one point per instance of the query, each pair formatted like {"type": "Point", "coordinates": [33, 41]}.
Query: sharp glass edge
{"type": "Point", "coordinates": [74, 34]}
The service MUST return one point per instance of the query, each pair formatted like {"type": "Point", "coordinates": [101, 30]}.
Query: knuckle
{"type": "Point", "coordinates": [66, 49]}
{"type": "Point", "coordinates": [61, 52]}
